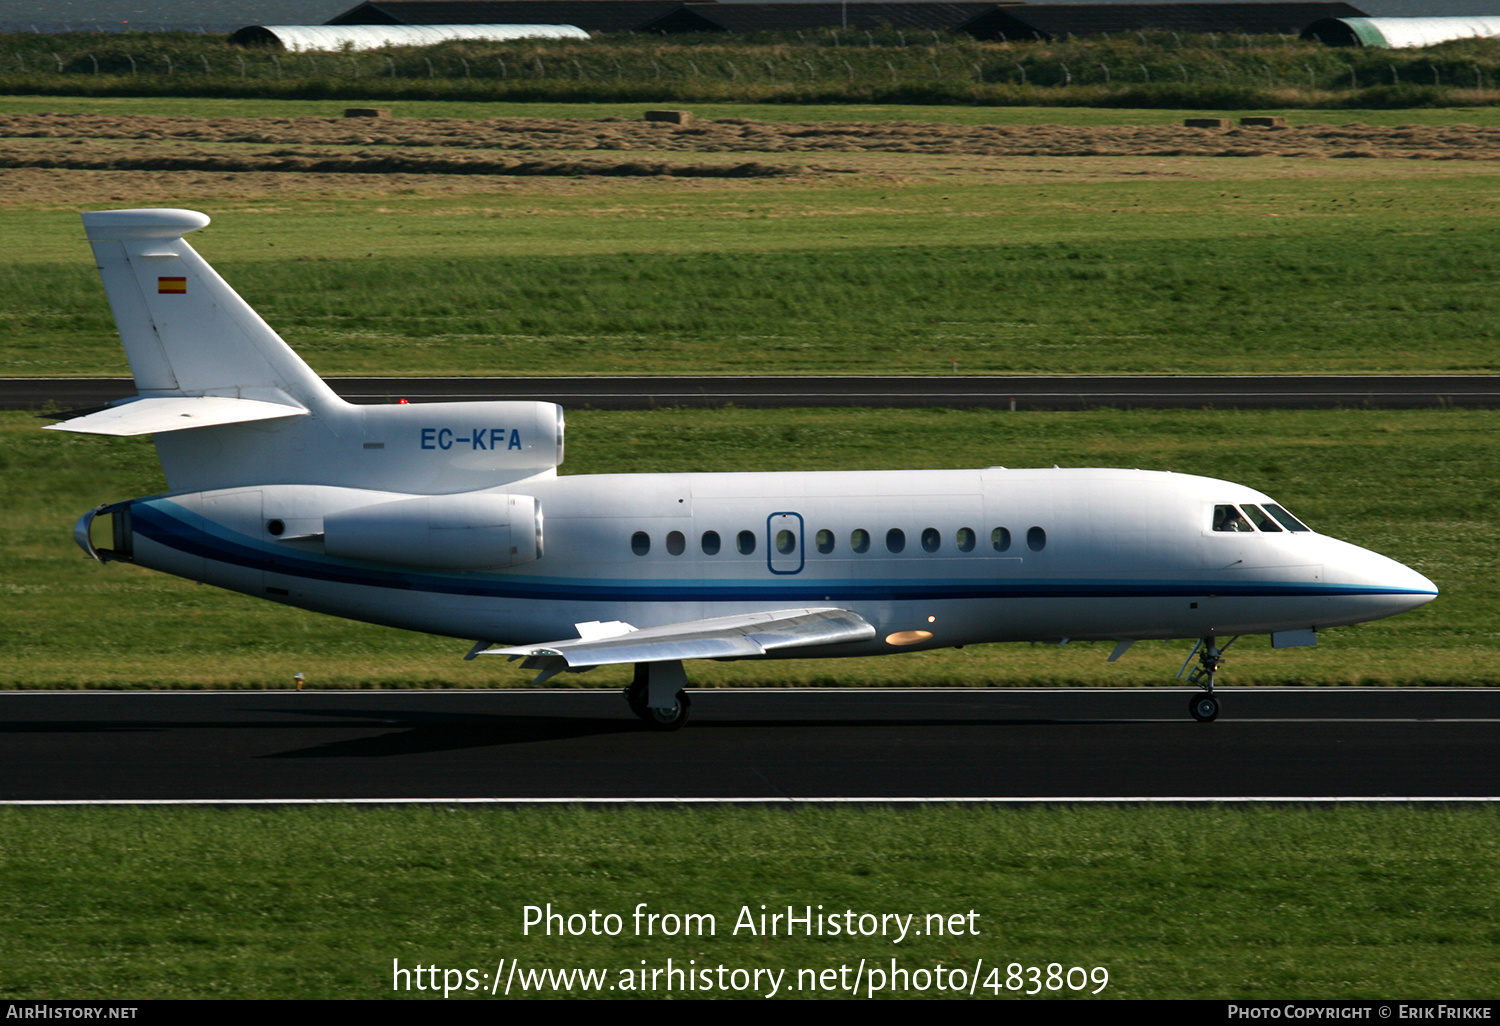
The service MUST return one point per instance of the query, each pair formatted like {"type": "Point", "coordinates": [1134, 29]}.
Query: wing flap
{"type": "Point", "coordinates": [724, 637]}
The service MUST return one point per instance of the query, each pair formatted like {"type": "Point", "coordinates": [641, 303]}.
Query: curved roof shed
{"type": "Point", "coordinates": [373, 37]}
{"type": "Point", "coordinates": [1398, 33]}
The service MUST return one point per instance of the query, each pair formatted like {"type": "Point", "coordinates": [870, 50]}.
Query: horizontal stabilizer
{"type": "Point", "coordinates": [150, 416]}
{"type": "Point", "coordinates": [724, 637]}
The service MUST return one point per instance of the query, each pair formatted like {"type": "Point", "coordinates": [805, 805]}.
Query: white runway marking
{"type": "Point", "coordinates": [1182, 800]}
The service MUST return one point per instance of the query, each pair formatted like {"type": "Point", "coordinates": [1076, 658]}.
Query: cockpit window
{"type": "Point", "coordinates": [1260, 520]}
{"type": "Point", "coordinates": [1288, 521]}
{"type": "Point", "coordinates": [1228, 518]}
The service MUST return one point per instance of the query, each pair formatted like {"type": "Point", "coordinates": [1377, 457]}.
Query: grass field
{"type": "Point", "coordinates": [1257, 903]}
{"type": "Point", "coordinates": [1027, 265]}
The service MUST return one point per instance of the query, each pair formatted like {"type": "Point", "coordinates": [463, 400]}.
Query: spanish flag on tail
{"type": "Point", "coordinates": [171, 286]}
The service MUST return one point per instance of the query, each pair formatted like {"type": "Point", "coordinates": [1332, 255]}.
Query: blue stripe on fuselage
{"type": "Point", "coordinates": [155, 520]}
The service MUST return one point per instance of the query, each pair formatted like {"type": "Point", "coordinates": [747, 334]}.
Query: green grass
{"type": "Point", "coordinates": [1205, 903]}
{"type": "Point", "coordinates": [1418, 486]}
{"type": "Point", "coordinates": [1244, 272]}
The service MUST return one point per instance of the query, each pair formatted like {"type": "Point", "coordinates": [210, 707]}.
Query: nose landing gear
{"type": "Point", "coordinates": [1205, 707]}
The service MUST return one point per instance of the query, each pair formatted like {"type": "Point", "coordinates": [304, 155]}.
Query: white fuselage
{"type": "Point", "coordinates": [950, 557]}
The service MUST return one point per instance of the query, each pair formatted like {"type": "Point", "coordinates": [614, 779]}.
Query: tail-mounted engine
{"type": "Point", "coordinates": [470, 531]}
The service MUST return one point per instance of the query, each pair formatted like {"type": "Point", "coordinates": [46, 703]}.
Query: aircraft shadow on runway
{"type": "Point", "coordinates": [406, 732]}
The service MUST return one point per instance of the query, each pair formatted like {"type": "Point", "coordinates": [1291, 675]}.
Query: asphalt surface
{"type": "Point", "coordinates": [1027, 393]}
{"type": "Point", "coordinates": [768, 744]}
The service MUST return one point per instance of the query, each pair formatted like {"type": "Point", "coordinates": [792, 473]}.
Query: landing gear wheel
{"type": "Point", "coordinates": [1204, 708]}
{"type": "Point", "coordinates": [635, 697]}
{"type": "Point", "coordinates": [669, 719]}
{"type": "Point", "coordinates": [654, 682]}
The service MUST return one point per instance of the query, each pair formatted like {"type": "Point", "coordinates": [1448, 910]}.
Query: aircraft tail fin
{"type": "Point", "coordinates": [185, 331]}
{"type": "Point", "coordinates": [229, 404]}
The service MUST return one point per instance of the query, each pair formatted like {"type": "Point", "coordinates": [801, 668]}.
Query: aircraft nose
{"type": "Point", "coordinates": [1379, 585]}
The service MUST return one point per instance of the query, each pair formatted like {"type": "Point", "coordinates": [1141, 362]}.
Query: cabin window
{"type": "Point", "coordinates": [745, 543]}
{"type": "Point", "coordinates": [640, 543]}
{"type": "Point", "coordinates": [932, 540]}
{"type": "Point", "coordinates": [1260, 520]}
{"type": "Point", "coordinates": [1288, 521]}
{"type": "Point", "coordinates": [964, 539]}
{"type": "Point", "coordinates": [710, 543]}
{"type": "Point", "coordinates": [825, 541]}
{"type": "Point", "coordinates": [1229, 519]}
{"type": "Point", "coordinates": [895, 539]}
{"type": "Point", "coordinates": [786, 542]}
{"type": "Point", "coordinates": [676, 543]}
{"type": "Point", "coordinates": [1000, 539]}
{"type": "Point", "coordinates": [1036, 539]}
{"type": "Point", "coordinates": [859, 541]}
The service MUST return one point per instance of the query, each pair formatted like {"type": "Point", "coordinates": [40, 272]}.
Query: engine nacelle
{"type": "Point", "coordinates": [468, 531]}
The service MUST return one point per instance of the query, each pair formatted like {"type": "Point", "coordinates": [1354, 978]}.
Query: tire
{"type": "Point", "coordinates": [1204, 708]}
{"type": "Point", "coordinates": [669, 719]}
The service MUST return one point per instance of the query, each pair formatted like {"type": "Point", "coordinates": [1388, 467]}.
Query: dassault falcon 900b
{"type": "Point", "coordinates": [451, 518]}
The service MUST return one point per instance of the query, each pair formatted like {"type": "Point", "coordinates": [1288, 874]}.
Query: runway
{"type": "Point", "coordinates": [767, 745]}
{"type": "Point", "coordinates": [955, 391]}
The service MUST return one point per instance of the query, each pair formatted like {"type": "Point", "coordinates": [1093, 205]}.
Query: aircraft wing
{"type": "Point", "coordinates": [746, 634]}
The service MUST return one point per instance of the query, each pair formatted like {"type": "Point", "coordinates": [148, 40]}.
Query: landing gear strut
{"type": "Point", "coordinates": [656, 695]}
{"type": "Point", "coordinates": [1205, 707]}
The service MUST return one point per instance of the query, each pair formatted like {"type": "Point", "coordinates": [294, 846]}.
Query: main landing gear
{"type": "Point", "coordinates": [1205, 707]}
{"type": "Point", "coordinates": [656, 695]}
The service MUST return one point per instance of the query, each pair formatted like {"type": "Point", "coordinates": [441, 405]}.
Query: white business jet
{"type": "Point", "coordinates": [451, 518]}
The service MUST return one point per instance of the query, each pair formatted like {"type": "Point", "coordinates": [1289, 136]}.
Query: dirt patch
{"type": "Point", "coordinates": [737, 135]}
{"type": "Point", "coordinates": [73, 159]}
{"type": "Point", "coordinates": [95, 157]}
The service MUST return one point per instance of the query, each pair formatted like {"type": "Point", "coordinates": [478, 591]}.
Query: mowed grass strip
{"type": "Point", "coordinates": [1203, 902]}
{"type": "Point", "coordinates": [206, 106]}
{"type": "Point", "coordinates": [1386, 273]}
{"type": "Point", "coordinates": [1418, 486]}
